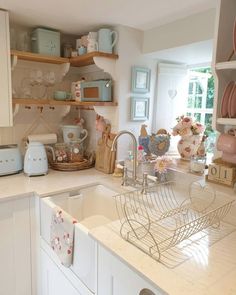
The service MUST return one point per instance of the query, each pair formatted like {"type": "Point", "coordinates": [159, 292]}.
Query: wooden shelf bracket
{"type": "Point", "coordinates": [106, 64]}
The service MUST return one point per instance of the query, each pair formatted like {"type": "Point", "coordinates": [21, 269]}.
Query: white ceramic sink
{"type": "Point", "coordinates": [92, 206]}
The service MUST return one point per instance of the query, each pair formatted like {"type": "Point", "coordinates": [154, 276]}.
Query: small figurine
{"type": "Point", "coordinates": [100, 123]}
{"type": "Point", "coordinates": [143, 139]}
{"type": "Point", "coordinates": [159, 144]}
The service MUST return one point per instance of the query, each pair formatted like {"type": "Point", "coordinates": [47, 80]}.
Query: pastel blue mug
{"type": "Point", "coordinates": [82, 50]}
{"type": "Point", "coordinates": [106, 40]}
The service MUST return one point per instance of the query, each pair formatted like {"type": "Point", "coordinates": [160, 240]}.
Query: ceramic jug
{"type": "Point", "coordinates": [73, 133]}
{"type": "Point", "coordinates": [106, 40]}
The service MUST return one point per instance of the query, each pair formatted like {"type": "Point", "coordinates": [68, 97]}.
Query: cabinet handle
{"type": "Point", "coordinates": [146, 292]}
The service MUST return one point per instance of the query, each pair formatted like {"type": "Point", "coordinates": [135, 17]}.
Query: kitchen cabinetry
{"type": "Point", "coordinates": [54, 281]}
{"type": "Point", "coordinates": [56, 278]}
{"type": "Point", "coordinates": [116, 278]}
{"type": "Point", "coordinates": [5, 72]}
{"type": "Point", "coordinates": [225, 69]}
{"type": "Point", "coordinates": [17, 269]}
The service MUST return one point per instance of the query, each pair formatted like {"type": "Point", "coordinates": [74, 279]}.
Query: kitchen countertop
{"type": "Point", "coordinates": [211, 273]}
{"type": "Point", "coordinates": [19, 184]}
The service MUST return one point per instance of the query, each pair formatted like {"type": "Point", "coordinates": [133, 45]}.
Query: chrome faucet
{"type": "Point", "coordinates": [135, 146]}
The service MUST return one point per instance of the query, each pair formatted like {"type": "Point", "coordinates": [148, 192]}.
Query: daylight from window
{"type": "Point", "coordinates": [200, 101]}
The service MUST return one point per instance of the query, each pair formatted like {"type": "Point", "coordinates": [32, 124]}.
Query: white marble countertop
{"type": "Point", "coordinates": [212, 273]}
{"type": "Point", "coordinates": [19, 184]}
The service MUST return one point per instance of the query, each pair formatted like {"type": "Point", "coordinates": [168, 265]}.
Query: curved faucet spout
{"type": "Point", "coordinates": [135, 146]}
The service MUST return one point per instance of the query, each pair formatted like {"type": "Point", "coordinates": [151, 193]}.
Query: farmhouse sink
{"type": "Point", "coordinates": [91, 206]}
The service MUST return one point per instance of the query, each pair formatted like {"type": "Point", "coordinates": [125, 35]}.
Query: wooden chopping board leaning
{"type": "Point", "coordinates": [105, 158]}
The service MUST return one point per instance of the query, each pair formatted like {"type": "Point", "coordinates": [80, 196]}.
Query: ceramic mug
{"type": "Point", "coordinates": [62, 95]}
{"type": "Point", "coordinates": [106, 40]}
{"type": "Point", "coordinates": [82, 50]}
{"type": "Point", "coordinates": [73, 133]}
{"type": "Point", "coordinates": [92, 45]}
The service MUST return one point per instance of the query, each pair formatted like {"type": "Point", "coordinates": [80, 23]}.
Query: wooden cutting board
{"type": "Point", "coordinates": [105, 158]}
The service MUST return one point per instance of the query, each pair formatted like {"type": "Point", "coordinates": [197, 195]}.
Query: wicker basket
{"type": "Point", "coordinates": [86, 163]}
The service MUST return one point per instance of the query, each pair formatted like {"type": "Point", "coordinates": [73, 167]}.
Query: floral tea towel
{"type": "Point", "coordinates": [62, 235]}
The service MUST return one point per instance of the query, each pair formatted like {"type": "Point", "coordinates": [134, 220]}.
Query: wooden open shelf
{"type": "Point", "coordinates": [227, 65]}
{"type": "Point", "coordinates": [87, 59]}
{"type": "Point", "coordinates": [53, 102]}
{"type": "Point", "coordinates": [79, 61]}
{"type": "Point", "coordinates": [29, 56]}
{"type": "Point", "coordinates": [226, 121]}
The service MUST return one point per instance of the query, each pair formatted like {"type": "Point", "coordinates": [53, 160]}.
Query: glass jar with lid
{"type": "Point", "coordinates": [75, 151]}
{"type": "Point", "coordinates": [67, 50]}
{"type": "Point", "coordinates": [197, 164]}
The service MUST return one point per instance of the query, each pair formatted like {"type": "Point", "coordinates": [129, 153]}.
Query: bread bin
{"type": "Point", "coordinates": [10, 159]}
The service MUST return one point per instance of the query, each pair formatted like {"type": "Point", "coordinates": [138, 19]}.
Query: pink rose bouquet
{"type": "Point", "coordinates": [186, 127]}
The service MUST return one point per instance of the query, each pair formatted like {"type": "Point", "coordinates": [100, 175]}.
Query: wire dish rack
{"type": "Point", "coordinates": [170, 227]}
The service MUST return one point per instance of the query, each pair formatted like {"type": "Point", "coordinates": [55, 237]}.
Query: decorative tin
{"type": "Point", "coordinates": [45, 41]}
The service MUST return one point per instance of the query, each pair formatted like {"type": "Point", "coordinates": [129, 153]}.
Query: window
{"type": "Point", "coordinates": [200, 101]}
{"type": "Point", "coordinates": [199, 104]}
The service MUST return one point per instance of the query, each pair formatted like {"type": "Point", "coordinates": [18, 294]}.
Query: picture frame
{"type": "Point", "coordinates": [139, 108]}
{"type": "Point", "coordinates": [140, 79]}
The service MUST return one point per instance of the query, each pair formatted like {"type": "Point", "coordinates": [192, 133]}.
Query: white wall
{"type": "Point", "coordinates": [195, 28]}
{"type": "Point", "coordinates": [130, 54]}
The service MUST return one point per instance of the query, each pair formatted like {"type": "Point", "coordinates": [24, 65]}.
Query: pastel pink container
{"type": "Point", "coordinates": [227, 143]}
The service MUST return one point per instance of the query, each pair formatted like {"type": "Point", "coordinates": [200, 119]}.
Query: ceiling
{"type": "Point", "coordinates": [79, 16]}
{"type": "Point", "coordinates": [187, 54]}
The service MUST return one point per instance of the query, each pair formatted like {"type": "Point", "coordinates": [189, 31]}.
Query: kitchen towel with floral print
{"type": "Point", "coordinates": [62, 235]}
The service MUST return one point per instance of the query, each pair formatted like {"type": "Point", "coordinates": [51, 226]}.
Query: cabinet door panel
{"type": "Point", "coordinates": [5, 72]}
{"type": "Point", "coordinates": [15, 252]}
{"type": "Point", "coordinates": [116, 278]}
{"type": "Point", "coordinates": [53, 280]}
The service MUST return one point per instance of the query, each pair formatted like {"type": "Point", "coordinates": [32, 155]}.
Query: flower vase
{"type": "Point", "coordinates": [188, 146]}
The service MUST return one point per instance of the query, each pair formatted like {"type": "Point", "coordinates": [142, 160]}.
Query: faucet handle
{"type": "Point", "coordinates": [125, 177]}
{"type": "Point", "coordinates": [152, 178]}
{"type": "Point", "coordinates": [145, 183]}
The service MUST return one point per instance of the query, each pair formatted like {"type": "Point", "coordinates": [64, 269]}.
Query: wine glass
{"type": "Point", "coordinates": [49, 81]}
{"type": "Point", "coordinates": [36, 79]}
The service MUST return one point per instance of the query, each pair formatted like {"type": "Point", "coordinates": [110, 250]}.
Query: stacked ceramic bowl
{"type": "Point", "coordinates": [228, 102]}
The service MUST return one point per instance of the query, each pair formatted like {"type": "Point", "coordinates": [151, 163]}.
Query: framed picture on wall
{"type": "Point", "coordinates": [140, 80]}
{"type": "Point", "coordinates": [139, 108]}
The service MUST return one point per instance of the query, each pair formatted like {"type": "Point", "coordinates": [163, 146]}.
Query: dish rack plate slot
{"type": "Point", "coordinates": [172, 228]}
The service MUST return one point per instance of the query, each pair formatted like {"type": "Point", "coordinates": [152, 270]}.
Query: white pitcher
{"type": "Point", "coordinates": [106, 40]}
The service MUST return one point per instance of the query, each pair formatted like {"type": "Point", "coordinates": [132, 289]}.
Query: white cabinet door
{"type": "Point", "coordinates": [53, 280]}
{"type": "Point", "coordinates": [5, 72]}
{"type": "Point", "coordinates": [15, 247]}
{"type": "Point", "coordinates": [116, 278]}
